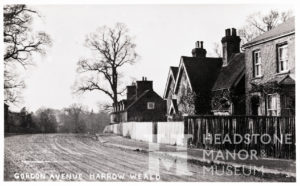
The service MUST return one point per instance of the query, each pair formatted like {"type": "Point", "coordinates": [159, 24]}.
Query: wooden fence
{"type": "Point", "coordinates": [275, 135]}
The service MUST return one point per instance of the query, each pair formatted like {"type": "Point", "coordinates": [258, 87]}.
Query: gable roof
{"type": "Point", "coordinates": [171, 76]}
{"type": "Point", "coordinates": [174, 71]}
{"type": "Point", "coordinates": [287, 80]}
{"type": "Point", "coordinates": [285, 28]}
{"type": "Point", "coordinates": [140, 97]}
{"type": "Point", "coordinates": [230, 73]}
{"type": "Point", "coordinates": [201, 72]}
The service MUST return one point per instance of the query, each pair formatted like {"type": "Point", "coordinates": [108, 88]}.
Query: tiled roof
{"type": "Point", "coordinates": [288, 80]}
{"type": "Point", "coordinates": [202, 72]}
{"type": "Point", "coordinates": [137, 99]}
{"type": "Point", "coordinates": [230, 73]}
{"type": "Point", "coordinates": [171, 77]}
{"type": "Point", "coordinates": [174, 71]}
{"type": "Point", "coordinates": [141, 96]}
{"type": "Point", "coordinates": [281, 80]}
{"type": "Point", "coordinates": [284, 28]}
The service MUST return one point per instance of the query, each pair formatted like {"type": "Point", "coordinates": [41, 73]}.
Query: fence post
{"type": "Point", "coordinates": [186, 124]}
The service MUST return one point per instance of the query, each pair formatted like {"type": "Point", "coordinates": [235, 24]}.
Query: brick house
{"type": "Point", "coordinates": [228, 92]}
{"type": "Point", "coordinates": [188, 87]}
{"type": "Point", "coordinates": [270, 72]}
{"type": "Point", "coordinates": [208, 85]}
{"type": "Point", "coordinates": [142, 104]}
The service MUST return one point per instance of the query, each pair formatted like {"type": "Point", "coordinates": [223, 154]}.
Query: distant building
{"type": "Point", "coordinates": [228, 92]}
{"type": "Point", "coordinates": [270, 72]}
{"type": "Point", "coordinates": [142, 104]}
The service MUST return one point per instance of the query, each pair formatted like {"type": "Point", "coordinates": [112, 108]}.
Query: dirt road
{"type": "Point", "coordinates": [67, 157]}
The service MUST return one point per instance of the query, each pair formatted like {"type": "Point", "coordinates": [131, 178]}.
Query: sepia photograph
{"type": "Point", "coordinates": [149, 92]}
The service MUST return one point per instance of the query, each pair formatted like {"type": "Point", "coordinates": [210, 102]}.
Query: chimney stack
{"type": "Point", "coordinates": [233, 32]}
{"type": "Point", "coordinates": [142, 86]}
{"type": "Point", "coordinates": [231, 44]}
{"type": "Point", "coordinates": [199, 51]}
{"type": "Point", "coordinates": [131, 92]}
{"type": "Point", "coordinates": [227, 32]}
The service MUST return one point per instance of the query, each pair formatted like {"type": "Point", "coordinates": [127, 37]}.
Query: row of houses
{"type": "Point", "coordinates": [259, 80]}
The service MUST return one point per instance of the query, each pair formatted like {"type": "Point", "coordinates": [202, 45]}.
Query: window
{"type": "Point", "coordinates": [257, 64]}
{"type": "Point", "coordinates": [282, 61]}
{"type": "Point", "coordinates": [288, 102]}
{"type": "Point", "coordinates": [272, 103]}
{"type": "Point", "coordinates": [150, 105]}
{"type": "Point", "coordinates": [288, 105]}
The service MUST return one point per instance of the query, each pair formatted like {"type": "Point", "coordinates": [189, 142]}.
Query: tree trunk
{"type": "Point", "coordinates": [115, 85]}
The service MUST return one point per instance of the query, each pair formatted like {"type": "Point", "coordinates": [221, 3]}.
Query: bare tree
{"type": "Point", "coordinates": [19, 45]}
{"type": "Point", "coordinates": [105, 107]}
{"type": "Point", "coordinates": [113, 48]}
{"type": "Point", "coordinates": [258, 23]}
{"type": "Point", "coordinates": [74, 112]}
{"type": "Point", "coordinates": [45, 119]}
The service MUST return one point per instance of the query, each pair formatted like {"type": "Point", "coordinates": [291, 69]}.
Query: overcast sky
{"type": "Point", "coordinates": [162, 33]}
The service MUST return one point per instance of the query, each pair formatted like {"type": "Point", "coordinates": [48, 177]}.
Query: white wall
{"type": "Point", "coordinates": [115, 129]}
{"type": "Point", "coordinates": [170, 133]}
{"type": "Point", "coordinates": [167, 132]}
{"type": "Point", "coordinates": [138, 130]}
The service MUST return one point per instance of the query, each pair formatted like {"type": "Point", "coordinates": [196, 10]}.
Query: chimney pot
{"type": "Point", "coordinates": [199, 51]}
{"type": "Point", "coordinates": [227, 32]}
{"type": "Point", "coordinates": [233, 32]}
{"type": "Point", "coordinates": [197, 44]}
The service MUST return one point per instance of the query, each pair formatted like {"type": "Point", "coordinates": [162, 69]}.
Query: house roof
{"type": "Point", "coordinates": [137, 99]}
{"type": "Point", "coordinates": [171, 77]}
{"type": "Point", "coordinates": [278, 80]}
{"type": "Point", "coordinates": [230, 73]}
{"type": "Point", "coordinates": [282, 80]}
{"type": "Point", "coordinates": [287, 80]}
{"type": "Point", "coordinates": [201, 72]}
{"type": "Point", "coordinates": [140, 97]}
{"type": "Point", "coordinates": [174, 71]}
{"type": "Point", "coordinates": [282, 29]}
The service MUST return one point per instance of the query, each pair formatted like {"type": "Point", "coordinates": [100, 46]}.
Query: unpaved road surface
{"type": "Point", "coordinates": [41, 157]}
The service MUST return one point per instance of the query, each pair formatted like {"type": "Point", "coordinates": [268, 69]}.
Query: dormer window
{"type": "Point", "coordinates": [257, 64]}
{"type": "Point", "coordinates": [282, 58]}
